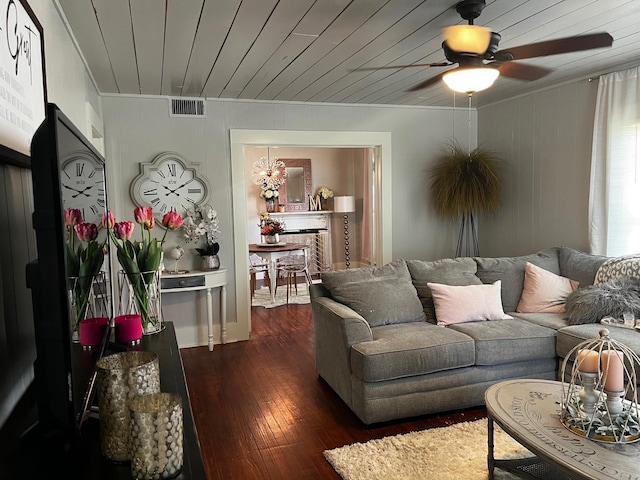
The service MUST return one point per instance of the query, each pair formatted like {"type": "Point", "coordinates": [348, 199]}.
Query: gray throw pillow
{"type": "Point", "coordinates": [510, 270]}
{"type": "Point", "coordinates": [447, 271]}
{"type": "Point", "coordinates": [607, 299]}
{"type": "Point", "coordinates": [382, 295]}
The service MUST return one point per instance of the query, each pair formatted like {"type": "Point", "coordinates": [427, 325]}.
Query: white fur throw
{"type": "Point", "coordinates": [607, 299]}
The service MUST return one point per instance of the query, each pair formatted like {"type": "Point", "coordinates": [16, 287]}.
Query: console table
{"type": "Point", "coordinates": [39, 456]}
{"type": "Point", "coordinates": [197, 280]}
{"type": "Point", "coordinates": [529, 412]}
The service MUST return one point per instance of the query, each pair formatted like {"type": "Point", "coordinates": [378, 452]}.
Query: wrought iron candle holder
{"type": "Point", "coordinates": [599, 394]}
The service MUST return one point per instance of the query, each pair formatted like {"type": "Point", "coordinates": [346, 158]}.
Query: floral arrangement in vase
{"type": "Point", "coordinates": [202, 221]}
{"type": "Point", "coordinates": [269, 173]}
{"type": "Point", "coordinates": [325, 193]}
{"type": "Point", "coordinates": [270, 228]}
{"type": "Point", "coordinates": [140, 260]}
{"type": "Point", "coordinates": [85, 255]}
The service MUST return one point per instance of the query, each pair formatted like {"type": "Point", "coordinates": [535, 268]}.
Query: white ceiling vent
{"type": "Point", "coordinates": [187, 107]}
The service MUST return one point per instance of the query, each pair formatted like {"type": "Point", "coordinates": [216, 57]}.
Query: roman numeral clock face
{"type": "Point", "coordinates": [168, 183]}
{"type": "Point", "coordinates": [82, 183]}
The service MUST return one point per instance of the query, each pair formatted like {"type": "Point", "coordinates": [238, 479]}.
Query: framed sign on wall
{"type": "Point", "coordinates": [23, 95]}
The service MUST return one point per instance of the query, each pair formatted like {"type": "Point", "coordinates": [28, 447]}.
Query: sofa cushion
{"type": "Point", "coordinates": [607, 299]}
{"type": "Point", "coordinates": [398, 351]}
{"type": "Point", "coordinates": [505, 341]}
{"type": "Point", "coordinates": [511, 271]}
{"type": "Point", "coordinates": [468, 303]}
{"type": "Point", "coordinates": [382, 295]}
{"type": "Point", "coordinates": [544, 291]}
{"type": "Point", "coordinates": [449, 271]}
{"type": "Point", "coordinates": [571, 336]}
{"type": "Point", "coordinates": [549, 320]}
{"type": "Point", "coordinates": [625, 266]}
{"type": "Point", "coordinates": [579, 265]}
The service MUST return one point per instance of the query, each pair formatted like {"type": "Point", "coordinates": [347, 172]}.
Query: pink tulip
{"type": "Point", "coordinates": [86, 231]}
{"type": "Point", "coordinates": [144, 216]}
{"type": "Point", "coordinates": [123, 230]}
{"type": "Point", "coordinates": [108, 220]}
{"type": "Point", "coordinates": [172, 220]}
{"type": "Point", "coordinates": [72, 217]}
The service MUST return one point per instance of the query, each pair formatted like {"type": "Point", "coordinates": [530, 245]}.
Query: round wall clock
{"type": "Point", "coordinates": [169, 182]}
{"type": "Point", "coordinates": [82, 183]}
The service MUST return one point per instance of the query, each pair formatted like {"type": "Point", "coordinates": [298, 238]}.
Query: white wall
{"type": "Point", "coordinates": [545, 140]}
{"type": "Point", "coordinates": [137, 128]}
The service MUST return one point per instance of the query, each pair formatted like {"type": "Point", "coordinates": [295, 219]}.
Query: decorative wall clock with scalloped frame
{"type": "Point", "coordinates": [169, 182]}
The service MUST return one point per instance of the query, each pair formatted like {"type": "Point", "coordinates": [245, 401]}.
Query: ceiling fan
{"type": "Point", "coordinates": [475, 50]}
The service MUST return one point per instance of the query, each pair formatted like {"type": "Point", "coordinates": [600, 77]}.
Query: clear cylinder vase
{"type": "Point", "coordinates": [271, 204]}
{"type": "Point", "coordinates": [156, 439]}
{"type": "Point", "coordinates": [86, 300]}
{"type": "Point", "coordinates": [140, 293]}
{"type": "Point", "coordinates": [120, 377]}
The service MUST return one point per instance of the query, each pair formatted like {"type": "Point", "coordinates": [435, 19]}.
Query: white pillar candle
{"type": "Point", "coordinates": [613, 370]}
{"type": "Point", "coordinates": [588, 361]}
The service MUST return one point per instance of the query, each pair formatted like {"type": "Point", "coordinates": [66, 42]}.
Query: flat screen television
{"type": "Point", "coordinates": [64, 371]}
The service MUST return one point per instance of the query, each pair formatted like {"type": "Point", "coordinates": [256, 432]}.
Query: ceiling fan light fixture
{"type": "Point", "coordinates": [468, 38]}
{"type": "Point", "coordinates": [470, 80]}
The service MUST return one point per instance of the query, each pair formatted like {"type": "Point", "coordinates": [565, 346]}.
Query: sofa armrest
{"type": "Point", "coordinates": [336, 328]}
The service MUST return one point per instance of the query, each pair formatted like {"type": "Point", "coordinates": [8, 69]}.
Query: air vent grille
{"type": "Point", "coordinates": [187, 107]}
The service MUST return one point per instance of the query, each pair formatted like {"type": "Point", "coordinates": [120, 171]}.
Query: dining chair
{"type": "Point", "coordinates": [257, 264]}
{"type": "Point", "coordinates": [292, 265]}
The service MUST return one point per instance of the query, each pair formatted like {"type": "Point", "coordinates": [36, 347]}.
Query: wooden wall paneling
{"type": "Point", "coordinates": [181, 26]}
{"type": "Point", "coordinates": [147, 23]}
{"type": "Point", "coordinates": [246, 27]}
{"type": "Point", "coordinates": [82, 16]}
{"type": "Point", "coordinates": [116, 15]}
{"type": "Point", "coordinates": [290, 81]}
{"type": "Point", "coordinates": [282, 24]}
{"type": "Point", "coordinates": [17, 248]}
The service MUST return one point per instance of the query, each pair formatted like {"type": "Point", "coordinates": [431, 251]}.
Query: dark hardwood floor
{"type": "Point", "coordinates": [262, 412]}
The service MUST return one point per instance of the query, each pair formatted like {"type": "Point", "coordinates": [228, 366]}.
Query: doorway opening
{"type": "Point", "coordinates": [379, 142]}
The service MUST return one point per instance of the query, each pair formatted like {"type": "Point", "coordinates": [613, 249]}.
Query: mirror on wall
{"type": "Point", "coordinates": [294, 194]}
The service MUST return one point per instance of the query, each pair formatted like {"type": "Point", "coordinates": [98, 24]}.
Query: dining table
{"type": "Point", "coordinates": [271, 252]}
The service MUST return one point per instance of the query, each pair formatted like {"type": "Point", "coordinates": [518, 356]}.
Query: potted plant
{"type": "Point", "coordinates": [271, 229]}
{"type": "Point", "coordinates": [464, 184]}
{"type": "Point", "coordinates": [202, 221]}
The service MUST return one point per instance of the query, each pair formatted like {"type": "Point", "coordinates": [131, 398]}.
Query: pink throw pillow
{"type": "Point", "coordinates": [469, 303]}
{"type": "Point", "coordinates": [544, 291]}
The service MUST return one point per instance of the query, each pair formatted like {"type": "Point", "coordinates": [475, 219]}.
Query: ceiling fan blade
{"type": "Point", "coordinates": [553, 47]}
{"type": "Point", "coordinates": [522, 71]}
{"type": "Point", "coordinates": [437, 64]}
{"type": "Point", "coordinates": [427, 83]}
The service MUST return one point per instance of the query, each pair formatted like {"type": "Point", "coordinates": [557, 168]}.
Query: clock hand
{"type": "Point", "coordinates": [83, 191]}
{"type": "Point", "coordinates": [185, 184]}
{"type": "Point", "coordinates": [71, 188]}
{"type": "Point", "coordinates": [174, 190]}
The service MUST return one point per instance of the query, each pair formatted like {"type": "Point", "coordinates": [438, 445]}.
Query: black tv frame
{"type": "Point", "coordinates": [64, 373]}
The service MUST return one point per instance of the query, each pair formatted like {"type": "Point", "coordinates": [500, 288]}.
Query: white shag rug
{"type": "Point", "coordinates": [457, 452]}
{"type": "Point", "coordinates": [262, 296]}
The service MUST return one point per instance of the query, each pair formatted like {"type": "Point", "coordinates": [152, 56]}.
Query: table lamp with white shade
{"type": "Point", "coordinates": [345, 204]}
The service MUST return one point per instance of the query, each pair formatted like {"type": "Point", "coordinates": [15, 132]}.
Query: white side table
{"type": "Point", "coordinates": [194, 281]}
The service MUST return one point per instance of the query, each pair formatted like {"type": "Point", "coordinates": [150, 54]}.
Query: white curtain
{"type": "Point", "coordinates": [614, 201]}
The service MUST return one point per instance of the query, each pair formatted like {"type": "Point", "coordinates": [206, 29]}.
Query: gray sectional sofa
{"type": "Point", "coordinates": [379, 347]}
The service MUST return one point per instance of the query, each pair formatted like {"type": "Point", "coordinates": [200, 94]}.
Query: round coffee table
{"type": "Point", "coordinates": [529, 412]}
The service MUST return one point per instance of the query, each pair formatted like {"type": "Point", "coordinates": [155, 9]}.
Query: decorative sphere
{"type": "Point", "coordinates": [177, 252]}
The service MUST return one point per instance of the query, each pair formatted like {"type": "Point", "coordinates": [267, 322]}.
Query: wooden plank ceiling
{"type": "Point", "coordinates": [306, 50]}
